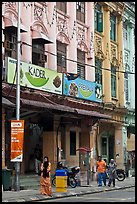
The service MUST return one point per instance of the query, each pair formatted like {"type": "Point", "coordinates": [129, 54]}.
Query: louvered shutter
{"type": "Point", "coordinates": [100, 21]}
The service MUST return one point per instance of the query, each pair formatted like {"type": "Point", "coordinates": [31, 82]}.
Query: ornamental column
{"type": "Point", "coordinates": [106, 63]}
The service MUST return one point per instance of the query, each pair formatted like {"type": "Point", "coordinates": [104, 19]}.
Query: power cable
{"type": "Point", "coordinates": [93, 66]}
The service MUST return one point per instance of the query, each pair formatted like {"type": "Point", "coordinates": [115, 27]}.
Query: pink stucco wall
{"type": "Point", "coordinates": [50, 22]}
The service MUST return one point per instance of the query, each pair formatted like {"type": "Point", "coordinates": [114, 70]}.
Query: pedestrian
{"type": "Point", "coordinates": [45, 183]}
{"type": "Point", "coordinates": [101, 171]}
{"type": "Point", "coordinates": [106, 167]}
{"type": "Point", "coordinates": [38, 158]}
{"type": "Point", "coordinates": [112, 172]}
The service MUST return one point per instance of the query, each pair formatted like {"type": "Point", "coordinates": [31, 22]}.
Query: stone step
{"type": "Point", "coordinates": [28, 181]}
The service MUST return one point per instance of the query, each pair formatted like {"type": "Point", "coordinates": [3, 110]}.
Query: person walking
{"type": "Point", "coordinates": [101, 171]}
{"type": "Point", "coordinates": [45, 183]}
{"type": "Point", "coordinates": [112, 172]}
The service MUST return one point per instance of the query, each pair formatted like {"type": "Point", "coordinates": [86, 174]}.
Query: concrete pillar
{"type": "Point", "coordinates": [26, 16]}
{"type": "Point", "coordinates": [90, 31]}
{"type": "Point", "coordinates": [106, 63]}
{"type": "Point", "coordinates": [93, 151]}
{"type": "Point", "coordinates": [120, 81]}
{"type": "Point", "coordinates": [72, 47]}
{"type": "Point", "coordinates": [119, 146]}
{"type": "Point", "coordinates": [52, 59]}
{"type": "Point", "coordinates": [49, 148]}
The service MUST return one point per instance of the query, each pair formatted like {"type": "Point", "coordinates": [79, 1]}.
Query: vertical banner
{"type": "Point", "coordinates": [17, 138]}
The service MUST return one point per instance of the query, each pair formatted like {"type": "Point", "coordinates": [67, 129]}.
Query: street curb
{"type": "Point", "coordinates": [70, 194]}
{"type": "Point", "coordinates": [83, 193]}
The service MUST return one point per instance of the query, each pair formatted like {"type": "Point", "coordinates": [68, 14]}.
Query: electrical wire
{"type": "Point", "coordinates": [107, 69]}
{"type": "Point", "coordinates": [93, 66]}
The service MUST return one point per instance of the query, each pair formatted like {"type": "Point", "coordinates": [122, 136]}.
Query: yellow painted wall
{"type": "Point", "coordinates": [119, 147]}
{"type": "Point", "coordinates": [49, 148]}
{"type": "Point", "coordinates": [131, 142]}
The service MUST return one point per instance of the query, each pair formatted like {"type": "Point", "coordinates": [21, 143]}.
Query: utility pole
{"type": "Point", "coordinates": [17, 164]}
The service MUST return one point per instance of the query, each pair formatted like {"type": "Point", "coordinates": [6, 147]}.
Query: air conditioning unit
{"type": "Point", "coordinates": [8, 45]}
{"type": "Point", "coordinates": [43, 58]}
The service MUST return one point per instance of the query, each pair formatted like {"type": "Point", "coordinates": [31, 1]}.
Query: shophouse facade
{"type": "Point", "coordinates": [129, 80]}
{"type": "Point", "coordinates": [60, 37]}
{"type": "Point", "coordinates": [108, 41]}
{"type": "Point", "coordinates": [51, 33]}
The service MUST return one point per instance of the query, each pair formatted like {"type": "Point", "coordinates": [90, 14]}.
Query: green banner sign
{"type": "Point", "coordinates": [35, 77]}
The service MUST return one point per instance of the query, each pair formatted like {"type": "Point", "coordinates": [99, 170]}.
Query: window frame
{"type": "Point", "coordinates": [37, 51]}
{"type": "Point", "coordinates": [98, 71]}
{"type": "Point", "coordinates": [80, 11]}
{"type": "Point", "coordinates": [98, 14]}
{"type": "Point", "coordinates": [12, 39]}
{"type": "Point", "coordinates": [126, 82]}
{"type": "Point", "coordinates": [61, 56]}
{"type": "Point", "coordinates": [62, 6]}
{"type": "Point", "coordinates": [125, 35]}
{"type": "Point", "coordinates": [81, 64]}
{"type": "Point", "coordinates": [113, 21]}
{"type": "Point", "coordinates": [113, 82]}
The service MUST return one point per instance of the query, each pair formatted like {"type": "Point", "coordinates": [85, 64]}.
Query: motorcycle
{"type": "Point", "coordinates": [71, 175]}
{"type": "Point", "coordinates": [121, 175]}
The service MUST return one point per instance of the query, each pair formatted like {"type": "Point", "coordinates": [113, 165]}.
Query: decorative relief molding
{"type": "Point", "coordinates": [114, 59]}
{"type": "Point", "coordinates": [10, 4]}
{"type": "Point", "coordinates": [81, 39]}
{"type": "Point", "coordinates": [38, 12]}
{"type": "Point", "coordinates": [98, 48]}
{"type": "Point", "coordinates": [40, 27]}
{"type": "Point", "coordinates": [62, 30]}
{"type": "Point", "coordinates": [62, 25]}
{"type": "Point", "coordinates": [108, 8]}
{"type": "Point", "coordinates": [63, 38]}
{"type": "Point", "coordinates": [80, 35]}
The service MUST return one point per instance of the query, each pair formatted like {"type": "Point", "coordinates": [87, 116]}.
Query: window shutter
{"type": "Point", "coordinates": [95, 17]}
{"type": "Point", "coordinates": [100, 21]}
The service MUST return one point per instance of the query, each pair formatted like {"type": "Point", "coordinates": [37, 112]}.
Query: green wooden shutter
{"type": "Point", "coordinates": [95, 17]}
{"type": "Point", "coordinates": [100, 21]}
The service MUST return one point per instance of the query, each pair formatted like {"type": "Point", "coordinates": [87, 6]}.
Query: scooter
{"type": "Point", "coordinates": [71, 175]}
{"type": "Point", "coordinates": [121, 175]}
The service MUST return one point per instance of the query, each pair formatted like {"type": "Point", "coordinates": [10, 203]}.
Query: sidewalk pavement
{"type": "Point", "coordinates": [34, 195]}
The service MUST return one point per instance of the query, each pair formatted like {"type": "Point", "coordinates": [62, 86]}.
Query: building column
{"type": "Point", "coordinates": [27, 14]}
{"type": "Point", "coordinates": [125, 146]}
{"type": "Point", "coordinates": [119, 146]}
{"type": "Point", "coordinates": [106, 63]}
{"type": "Point", "coordinates": [72, 47]}
{"type": "Point", "coordinates": [52, 59]}
{"type": "Point", "coordinates": [120, 81]}
{"type": "Point", "coordinates": [90, 59]}
{"type": "Point", "coordinates": [93, 144]}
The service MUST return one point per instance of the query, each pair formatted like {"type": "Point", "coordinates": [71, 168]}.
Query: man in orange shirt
{"type": "Point", "coordinates": [101, 168]}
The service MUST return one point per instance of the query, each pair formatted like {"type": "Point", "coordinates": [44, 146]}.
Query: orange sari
{"type": "Point", "coordinates": [45, 184]}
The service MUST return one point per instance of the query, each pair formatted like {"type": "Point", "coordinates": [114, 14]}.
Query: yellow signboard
{"type": "Point", "coordinates": [17, 138]}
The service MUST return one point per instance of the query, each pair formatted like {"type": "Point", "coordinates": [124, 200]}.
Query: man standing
{"type": "Point", "coordinates": [112, 172]}
{"type": "Point", "coordinates": [101, 171]}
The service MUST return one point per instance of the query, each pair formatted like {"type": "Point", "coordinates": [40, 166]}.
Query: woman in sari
{"type": "Point", "coordinates": [45, 184]}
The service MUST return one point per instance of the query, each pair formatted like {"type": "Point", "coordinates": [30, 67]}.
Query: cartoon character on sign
{"type": "Point", "coordinates": [98, 92]}
{"type": "Point", "coordinates": [73, 90]}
